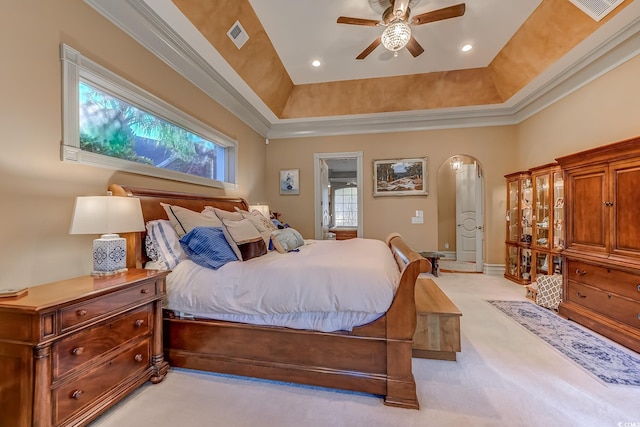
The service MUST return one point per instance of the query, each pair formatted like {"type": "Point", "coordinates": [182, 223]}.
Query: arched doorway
{"type": "Point", "coordinates": [461, 213]}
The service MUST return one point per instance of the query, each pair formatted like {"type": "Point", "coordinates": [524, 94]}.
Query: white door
{"type": "Point", "coordinates": [469, 234]}
{"type": "Point", "coordinates": [324, 198]}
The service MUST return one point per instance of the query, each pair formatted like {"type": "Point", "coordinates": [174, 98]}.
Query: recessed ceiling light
{"type": "Point", "coordinates": [466, 48]}
{"type": "Point", "coordinates": [316, 63]}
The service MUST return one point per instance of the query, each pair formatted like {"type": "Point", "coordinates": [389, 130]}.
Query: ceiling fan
{"type": "Point", "coordinates": [397, 21]}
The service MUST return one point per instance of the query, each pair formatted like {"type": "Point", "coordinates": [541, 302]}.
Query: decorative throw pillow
{"type": "Point", "coordinates": [221, 213]}
{"type": "Point", "coordinates": [150, 248]}
{"type": "Point", "coordinates": [208, 247]}
{"type": "Point", "coordinates": [286, 240]}
{"type": "Point", "coordinates": [255, 215]}
{"type": "Point", "coordinates": [184, 220]}
{"type": "Point", "coordinates": [244, 239]}
{"type": "Point", "coordinates": [166, 242]}
{"type": "Point", "coordinates": [549, 291]}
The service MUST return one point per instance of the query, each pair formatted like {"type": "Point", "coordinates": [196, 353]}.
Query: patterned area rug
{"type": "Point", "coordinates": [607, 362]}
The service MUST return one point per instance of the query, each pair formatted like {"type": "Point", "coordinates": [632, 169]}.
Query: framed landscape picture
{"type": "Point", "coordinates": [400, 177]}
{"type": "Point", "coordinates": [290, 181]}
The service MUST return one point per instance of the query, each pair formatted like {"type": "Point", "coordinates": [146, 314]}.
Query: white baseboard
{"type": "Point", "coordinates": [493, 269]}
{"type": "Point", "coordinates": [448, 255]}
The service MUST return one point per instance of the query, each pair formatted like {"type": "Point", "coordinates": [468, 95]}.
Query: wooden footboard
{"type": "Point", "coordinates": [374, 358]}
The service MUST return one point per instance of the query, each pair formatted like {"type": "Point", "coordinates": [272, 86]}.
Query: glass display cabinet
{"type": "Point", "coordinates": [548, 219]}
{"type": "Point", "coordinates": [519, 227]}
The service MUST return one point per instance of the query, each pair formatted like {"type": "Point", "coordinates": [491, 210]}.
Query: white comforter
{"type": "Point", "coordinates": [326, 286]}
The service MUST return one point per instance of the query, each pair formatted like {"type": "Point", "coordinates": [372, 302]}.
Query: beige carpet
{"type": "Point", "coordinates": [504, 376]}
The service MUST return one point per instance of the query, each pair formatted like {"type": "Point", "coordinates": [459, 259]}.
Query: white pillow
{"type": "Point", "coordinates": [184, 220]}
{"type": "Point", "coordinates": [166, 242]}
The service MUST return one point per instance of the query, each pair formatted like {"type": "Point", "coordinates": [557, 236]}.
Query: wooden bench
{"type": "Point", "coordinates": [437, 333]}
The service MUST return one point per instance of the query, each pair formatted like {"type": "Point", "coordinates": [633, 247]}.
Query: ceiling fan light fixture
{"type": "Point", "coordinates": [396, 35]}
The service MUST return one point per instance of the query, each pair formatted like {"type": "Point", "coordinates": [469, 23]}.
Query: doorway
{"type": "Point", "coordinates": [461, 214]}
{"type": "Point", "coordinates": [338, 193]}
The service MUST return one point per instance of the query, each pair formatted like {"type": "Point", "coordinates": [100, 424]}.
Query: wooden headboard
{"type": "Point", "coordinates": [150, 201]}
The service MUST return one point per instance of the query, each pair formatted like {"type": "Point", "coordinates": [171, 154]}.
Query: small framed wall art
{"type": "Point", "coordinates": [400, 177]}
{"type": "Point", "coordinates": [290, 181]}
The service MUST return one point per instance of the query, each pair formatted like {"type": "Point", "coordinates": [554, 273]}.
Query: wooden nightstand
{"type": "Point", "coordinates": [71, 349]}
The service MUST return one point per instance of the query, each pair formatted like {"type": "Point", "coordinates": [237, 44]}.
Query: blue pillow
{"type": "Point", "coordinates": [207, 247]}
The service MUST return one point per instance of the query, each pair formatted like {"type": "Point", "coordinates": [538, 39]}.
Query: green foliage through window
{"type": "Point", "coordinates": [112, 127]}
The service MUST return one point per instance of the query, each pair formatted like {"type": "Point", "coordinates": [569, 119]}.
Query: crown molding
{"type": "Point", "coordinates": [206, 69]}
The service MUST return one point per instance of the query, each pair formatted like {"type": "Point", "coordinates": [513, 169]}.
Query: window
{"type": "Point", "coordinates": [346, 207]}
{"type": "Point", "coordinates": [111, 123]}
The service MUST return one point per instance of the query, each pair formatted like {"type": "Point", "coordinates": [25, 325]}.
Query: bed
{"type": "Point", "coordinates": [374, 358]}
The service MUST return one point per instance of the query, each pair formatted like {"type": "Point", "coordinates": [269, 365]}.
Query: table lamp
{"type": "Point", "coordinates": [263, 209]}
{"type": "Point", "coordinates": [107, 215]}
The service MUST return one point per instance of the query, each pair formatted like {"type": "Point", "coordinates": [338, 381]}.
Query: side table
{"type": "Point", "coordinates": [433, 257]}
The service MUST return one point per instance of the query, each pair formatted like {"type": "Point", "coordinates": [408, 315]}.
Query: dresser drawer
{"type": "Point", "coordinates": [78, 349]}
{"type": "Point", "coordinates": [79, 314]}
{"type": "Point", "coordinates": [620, 282]}
{"type": "Point", "coordinates": [81, 392]}
{"type": "Point", "coordinates": [619, 308]}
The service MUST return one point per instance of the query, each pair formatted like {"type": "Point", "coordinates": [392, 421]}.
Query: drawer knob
{"type": "Point", "coordinates": [81, 313]}
{"type": "Point", "coordinates": [638, 288]}
{"type": "Point", "coordinates": [138, 323]}
{"type": "Point", "coordinates": [76, 394]}
{"type": "Point", "coordinates": [580, 273]}
{"type": "Point", "coordinates": [581, 295]}
{"type": "Point", "coordinates": [77, 351]}
{"type": "Point", "coordinates": [138, 357]}
{"type": "Point", "coordinates": [144, 291]}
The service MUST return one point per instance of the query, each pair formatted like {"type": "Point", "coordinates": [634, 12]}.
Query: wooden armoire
{"type": "Point", "coordinates": [601, 269]}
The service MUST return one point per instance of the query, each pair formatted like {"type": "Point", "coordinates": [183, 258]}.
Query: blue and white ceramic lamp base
{"type": "Point", "coordinates": [109, 255]}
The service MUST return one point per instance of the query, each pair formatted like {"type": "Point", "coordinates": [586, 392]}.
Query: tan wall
{"type": "Point", "coordinates": [605, 111]}
{"type": "Point", "coordinates": [37, 189]}
{"type": "Point", "coordinates": [494, 147]}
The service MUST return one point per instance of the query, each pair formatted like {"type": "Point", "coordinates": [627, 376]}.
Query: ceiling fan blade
{"type": "Point", "coordinates": [414, 47]}
{"type": "Point", "coordinates": [357, 21]}
{"type": "Point", "coordinates": [439, 15]}
{"type": "Point", "coordinates": [370, 48]}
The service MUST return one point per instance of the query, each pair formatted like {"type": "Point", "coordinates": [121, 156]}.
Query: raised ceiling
{"type": "Point", "coordinates": [526, 54]}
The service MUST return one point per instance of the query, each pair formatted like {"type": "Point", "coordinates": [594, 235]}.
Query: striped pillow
{"type": "Point", "coordinates": [208, 247]}
{"type": "Point", "coordinates": [166, 243]}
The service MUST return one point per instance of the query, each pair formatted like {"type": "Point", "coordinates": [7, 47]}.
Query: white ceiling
{"type": "Point", "coordinates": [303, 30]}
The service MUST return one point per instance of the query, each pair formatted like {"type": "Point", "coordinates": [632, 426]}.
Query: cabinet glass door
{"type": "Point", "coordinates": [541, 211]}
{"type": "Point", "coordinates": [512, 213]}
{"type": "Point", "coordinates": [512, 261]}
{"type": "Point", "coordinates": [558, 211]}
{"type": "Point", "coordinates": [527, 213]}
{"type": "Point", "coordinates": [525, 265]}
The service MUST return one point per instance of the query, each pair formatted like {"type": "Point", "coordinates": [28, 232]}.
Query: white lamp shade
{"type": "Point", "coordinates": [106, 215]}
{"type": "Point", "coordinates": [263, 209]}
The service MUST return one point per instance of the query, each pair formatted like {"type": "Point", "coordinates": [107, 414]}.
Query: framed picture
{"type": "Point", "coordinates": [290, 181]}
{"type": "Point", "coordinates": [400, 177]}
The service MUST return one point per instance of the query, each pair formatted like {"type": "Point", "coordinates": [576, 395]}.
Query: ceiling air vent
{"type": "Point", "coordinates": [238, 35]}
{"type": "Point", "coordinates": [597, 9]}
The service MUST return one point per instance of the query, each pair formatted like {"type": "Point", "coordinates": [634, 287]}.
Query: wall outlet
{"type": "Point", "coordinates": [446, 245]}
{"type": "Point", "coordinates": [417, 220]}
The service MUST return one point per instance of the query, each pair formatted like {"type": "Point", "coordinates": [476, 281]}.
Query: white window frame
{"type": "Point", "coordinates": [77, 68]}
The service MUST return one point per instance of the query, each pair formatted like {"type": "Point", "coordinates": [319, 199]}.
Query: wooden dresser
{"type": "Point", "coordinates": [601, 272]}
{"type": "Point", "coordinates": [71, 349]}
